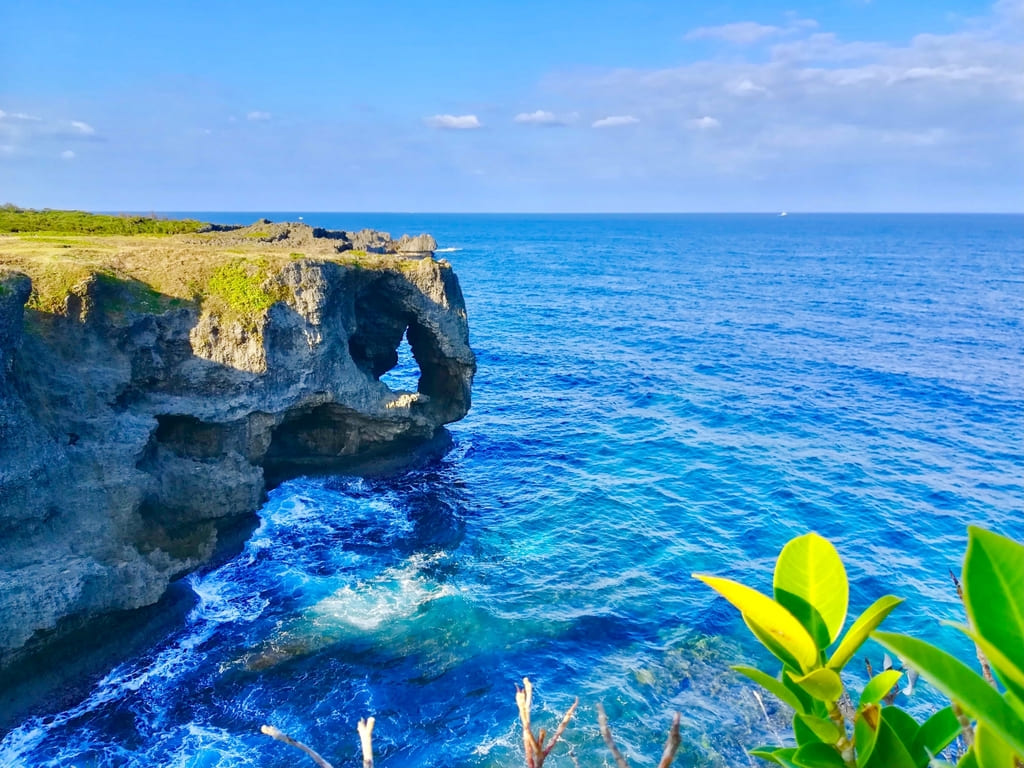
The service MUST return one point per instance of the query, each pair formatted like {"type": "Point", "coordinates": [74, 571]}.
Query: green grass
{"type": "Point", "coordinates": [239, 291]}
{"type": "Point", "coordinates": [13, 219]}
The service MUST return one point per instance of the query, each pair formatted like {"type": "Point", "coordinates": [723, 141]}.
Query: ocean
{"type": "Point", "coordinates": [656, 396]}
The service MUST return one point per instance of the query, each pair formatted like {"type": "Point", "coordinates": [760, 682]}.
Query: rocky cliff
{"type": "Point", "coordinates": [131, 430]}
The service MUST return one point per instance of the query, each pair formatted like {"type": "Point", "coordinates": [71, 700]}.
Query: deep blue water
{"type": "Point", "coordinates": [657, 395]}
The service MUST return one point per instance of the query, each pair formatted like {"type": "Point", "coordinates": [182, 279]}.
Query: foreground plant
{"type": "Point", "coordinates": [801, 626]}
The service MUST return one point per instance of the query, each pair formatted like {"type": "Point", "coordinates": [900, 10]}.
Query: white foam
{"type": "Point", "coordinates": [396, 594]}
{"type": "Point", "coordinates": [447, 250]}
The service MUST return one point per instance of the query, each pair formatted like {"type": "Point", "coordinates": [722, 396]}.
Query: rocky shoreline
{"type": "Point", "coordinates": [130, 436]}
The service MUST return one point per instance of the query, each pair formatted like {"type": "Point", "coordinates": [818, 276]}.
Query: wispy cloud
{"type": "Point", "coordinates": [540, 117]}
{"type": "Point", "coordinates": [738, 33]}
{"type": "Point", "coordinates": [21, 131]}
{"type": "Point", "coordinates": [947, 108]}
{"type": "Point", "coordinates": [705, 123]}
{"type": "Point", "coordinates": [749, 32]}
{"type": "Point", "coordinates": [67, 154]}
{"type": "Point", "coordinates": [613, 121]}
{"type": "Point", "coordinates": [14, 116]}
{"type": "Point", "coordinates": [258, 116]}
{"type": "Point", "coordinates": [454, 122]}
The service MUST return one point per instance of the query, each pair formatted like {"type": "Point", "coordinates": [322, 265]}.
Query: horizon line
{"type": "Point", "coordinates": [566, 213]}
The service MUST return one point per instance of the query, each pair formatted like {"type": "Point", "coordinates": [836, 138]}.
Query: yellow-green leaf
{"type": "Point", "coordinates": [961, 684]}
{"type": "Point", "coordinates": [824, 729]}
{"type": "Point", "coordinates": [865, 624]}
{"type": "Point", "coordinates": [879, 686]}
{"type": "Point", "coordinates": [990, 750]}
{"type": "Point", "coordinates": [1011, 676]}
{"type": "Point", "coordinates": [937, 733]}
{"type": "Point", "coordinates": [823, 684]}
{"type": "Point", "coordinates": [810, 581]}
{"type": "Point", "coordinates": [769, 616]}
{"type": "Point", "coordinates": [994, 591]}
{"type": "Point", "coordinates": [772, 685]}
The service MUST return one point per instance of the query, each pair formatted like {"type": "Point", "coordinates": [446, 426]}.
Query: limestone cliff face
{"type": "Point", "coordinates": [127, 438]}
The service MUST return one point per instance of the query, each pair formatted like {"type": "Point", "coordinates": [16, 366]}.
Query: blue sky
{"type": "Point", "coordinates": [846, 105]}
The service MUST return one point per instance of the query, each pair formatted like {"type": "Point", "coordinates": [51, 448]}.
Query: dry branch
{"type": "Point", "coordinates": [274, 733]}
{"type": "Point", "coordinates": [534, 744]}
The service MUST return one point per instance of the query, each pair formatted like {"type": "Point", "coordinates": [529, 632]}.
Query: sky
{"type": "Point", "coordinates": [526, 106]}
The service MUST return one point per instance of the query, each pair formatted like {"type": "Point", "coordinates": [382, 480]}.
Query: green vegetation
{"type": "Point", "coordinates": [805, 620]}
{"type": "Point", "coordinates": [242, 290]}
{"type": "Point", "coordinates": [14, 219]}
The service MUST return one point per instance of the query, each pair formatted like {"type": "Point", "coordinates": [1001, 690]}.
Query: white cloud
{"type": "Point", "coordinates": [11, 117]}
{"type": "Point", "coordinates": [705, 123]}
{"type": "Point", "coordinates": [913, 117]}
{"type": "Point", "coordinates": [540, 117]}
{"type": "Point", "coordinates": [738, 33]}
{"type": "Point", "coordinates": [745, 87]}
{"type": "Point", "coordinates": [67, 154]}
{"type": "Point", "coordinates": [258, 116]}
{"type": "Point", "coordinates": [83, 128]}
{"type": "Point", "coordinates": [454, 122]}
{"type": "Point", "coordinates": [613, 121]}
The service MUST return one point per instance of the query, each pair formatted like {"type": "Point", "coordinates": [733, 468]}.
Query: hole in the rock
{"type": "Point", "coordinates": [405, 376]}
{"type": "Point", "coordinates": [323, 432]}
{"type": "Point", "coordinates": [188, 436]}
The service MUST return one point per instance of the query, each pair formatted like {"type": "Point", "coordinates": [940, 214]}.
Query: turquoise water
{"type": "Point", "coordinates": [657, 395]}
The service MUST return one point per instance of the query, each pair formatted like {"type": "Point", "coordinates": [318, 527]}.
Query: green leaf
{"type": "Point", "coordinates": [889, 751]}
{"type": "Point", "coordinates": [994, 591]}
{"type": "Point", "coordinates": [1010, 675]}
{"type": "Point", "coordinates": [865, 732]}
{"type": "Point", "coordinates": [937, 733]}
{"type": "Point", "coordinates": [825, 730]}
{"type": "Point", "coordinates": [803, 733]}
{"type": "Point", "coordinates": [810, 582]}
{"type": "Point", "coordinates": [879, 686]}
{"type": "Point", "coordinates": [956, 680]}
{"type": "Point", "coordinates": [778, 755]}
{"type": "Point", "coordinates": [810, 705]}
{"type": "Point", "coordinates": [991, 751]}
{"type": "Point", "coordinates": [903, 725]}
{"type": "Point", "coordinates": [865, 624]}
{"type": "Point", "coordinates": [769, 616]}
{"type": "Point", "coordinates": [970, 760]}
{"type": "Point", "coordinates": [769, 642]}
{"type": "Point", "coordinates": [818, 756]}
{"type": "Point", "coordinates": [823, 684]}
{"type": "Point", "coordinates": [773, 685]}
{"type": "Point", "coordinates": [765, 753]}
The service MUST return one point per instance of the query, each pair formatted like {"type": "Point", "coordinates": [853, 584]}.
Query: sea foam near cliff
{"type": "Point", "coordinates": [656, 395]}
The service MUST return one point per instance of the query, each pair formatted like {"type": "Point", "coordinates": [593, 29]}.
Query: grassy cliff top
{"type": "Point", "coordinates": [165, 263]}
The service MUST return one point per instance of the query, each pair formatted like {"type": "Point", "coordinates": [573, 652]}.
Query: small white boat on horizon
{"type": "Point", "coordinates": [783, 214]}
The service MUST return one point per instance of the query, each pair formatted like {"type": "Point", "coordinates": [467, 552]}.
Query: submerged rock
{"type": "Point", "coordinates": [129, 437]}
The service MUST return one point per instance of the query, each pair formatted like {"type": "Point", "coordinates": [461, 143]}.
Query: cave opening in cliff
{"type": "Point", "coordinates": [405, 375]}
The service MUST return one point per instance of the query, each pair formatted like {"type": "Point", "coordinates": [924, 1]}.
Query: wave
{"type": "Point", "coordinates": [446, 250]}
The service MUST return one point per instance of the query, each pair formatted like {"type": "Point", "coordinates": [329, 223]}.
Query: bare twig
{"type": "Point", "coordinates": [671, 743]}
{"type": "Point", "coordinates": [534, 745]}
{"type": "Point", "coordinates": [668, 753]}
{"type": "Point", "coordinates": [365, 728]}
{"type": "Point", "coordinates": [986, 668]}
{"type": "Point", "coordinates": [606, 734]}
{"type": "Point", "coordinates": [966, 729]}
{"type": "Point", "coordinates": [274, 733]}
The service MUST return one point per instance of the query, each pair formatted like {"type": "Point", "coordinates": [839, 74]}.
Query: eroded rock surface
{"type": "Point", "coordinates": [127, 438]}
